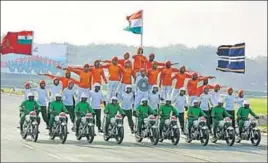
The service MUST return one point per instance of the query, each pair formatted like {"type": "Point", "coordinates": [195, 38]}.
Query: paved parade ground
{"type": "Point", "coordinates": [14, 148]}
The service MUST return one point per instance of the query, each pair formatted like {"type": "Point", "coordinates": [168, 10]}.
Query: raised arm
{"type": "Point", "coordinates": [103, 77]}
{"type": "Point", "coordinates": [74, 70]}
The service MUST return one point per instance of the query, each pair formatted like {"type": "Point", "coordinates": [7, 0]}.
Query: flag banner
{"type": "Point", "coordinates": [135, 23]}
{"type": "Point", "coordinates": [231, 58]}
{"type": "Point", "coordinates": [17, 43]}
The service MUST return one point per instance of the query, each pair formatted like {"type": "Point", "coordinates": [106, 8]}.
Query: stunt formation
{"type": "Point", "coordinates": [143, 93]}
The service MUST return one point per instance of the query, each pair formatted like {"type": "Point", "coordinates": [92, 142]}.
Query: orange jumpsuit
{"type": "Point", "coordinates": [121, 62]}
{"type": "Point", "coordinates": [180, 79]}
{"type": "Point", "coordinates": [200, 89]}
{"type": "Point", "coordinates": [85, 77]}
{"type": "Point", "coordinates": [149, 65]}
{"type": "Point", "coordinates": [192, 86]}
{"type": "Point", "coordinates": [127, 74]}
{"type": "Point", "coordinates": [153, 76]}
{"type": "Point", "coordinates": [64, 81]}
{"type": "Point", "coordinates": [139, 62]}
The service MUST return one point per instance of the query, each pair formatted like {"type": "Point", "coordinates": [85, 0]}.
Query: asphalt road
{"type": "Point", "coordinates": [15, 149]}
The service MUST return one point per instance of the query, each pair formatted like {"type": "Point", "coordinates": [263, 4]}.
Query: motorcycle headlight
{"type": "Point", "coordinates": [57, 118]}
{"type": "Point", "coordinates": [167, 122]}
{"type": "Point", "coordinates": [112, 120]}
{"type": "Point", "coordinates": [146, 120]}
{"type": "Point", "coordinates": [84, 119]}
{"type": "Point", "coordinates": [221, 123]}
{"type": "Point", "coordinates": [255, 122]}
{"type": "Point", "coordinates": [246, 124]}
{"type": "Point", "coordinates": [196, 123]}
{"type": "Point", "coordinates": [27, 117]}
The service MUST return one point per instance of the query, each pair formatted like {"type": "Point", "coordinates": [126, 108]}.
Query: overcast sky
{"type": "Point", "coordinates": [190, 23]}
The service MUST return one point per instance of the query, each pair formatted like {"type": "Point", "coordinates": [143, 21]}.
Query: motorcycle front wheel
{"type": "Point", "coordinates": [204, 140]}
{"type": "Point", "coordinates": [154, 138]}
{"type": "Point", "coordinates": [90, 136]}
{"type": "Point", "coordinates": [63, 135]}
{"type": "Point", "coordinates": [175, 140]}
{"type": "Point", "coordinates": [231, 138]}
{"type": "Point", "coordinates": [119, 138]}
{"type": "Point", "coordinates": [257, 138]}
{"type": "Point", "coordinates": [35, 133]}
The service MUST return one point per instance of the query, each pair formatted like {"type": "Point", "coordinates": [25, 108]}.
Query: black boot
{"type": "Point", "coordinates": [132, 130]}
{"type": "Point", "coordinates": [100, 130]}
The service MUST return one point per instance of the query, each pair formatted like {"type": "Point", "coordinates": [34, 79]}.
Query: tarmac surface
{"type": "Point", "coordinates": [15, 149]}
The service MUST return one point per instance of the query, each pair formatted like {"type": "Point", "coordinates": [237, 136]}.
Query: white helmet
{"type": "Point", "coordinates": [155, 86]}
{"type": "Point", "coordinates": [97, 85]}
{"type": "Point", "coordinates": [195, 101]}
{"type": "Point", "coordinates": [182, 89]}
{"type": "Point", "coordinates": [128, 86]}
{"type": "Point", "coordinates": [58, 95]}
{"type": "Point", "coordinates": [30, 94]}
{"type": "Point", "coordinates": [220, 100]}
{"type": "Point", "coordinates": [114, 98]}
{"type": "Point", "coordinates": [144, 99]}
{"type": "Point", "coordinates": [245, 102]}
{"type": "Point", "coordinates": [168, 99]}
{"type": "Point", "coordinates": [84, 95]}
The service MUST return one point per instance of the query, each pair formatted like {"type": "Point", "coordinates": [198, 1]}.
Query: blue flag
{"type": "Point", "coordinates": [231, 58]}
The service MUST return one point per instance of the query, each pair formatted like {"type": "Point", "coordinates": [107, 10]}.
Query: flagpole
{"type": "Point", "coordinates": [142, 28]}
{"type": "Point", "coordinates": [31, 57]}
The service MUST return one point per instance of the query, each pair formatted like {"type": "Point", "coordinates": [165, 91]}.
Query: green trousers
{"type": "Point", "coordinates": [241, 122]}
{"type": "Point", "coordinates": [162, 122]}
{"type": "Point", "coordinates": [128, 114]}
{"type": "Point", "coordinates": [98, 118]}
{"type": "Point", "coordinates": [44, 114]}
{"type": "Point", "coordinates": [22, 119]}
{"type": "Point", "coordinates": [215, 124]}
{"type": "Point", "coordinates": [232, 113]}
{"type": "Point", "coordinates": [140, 122]}
{"type": "Point", "coordinates": [71, 112]}
{"type": "Point", "coordinates": [190, 123]}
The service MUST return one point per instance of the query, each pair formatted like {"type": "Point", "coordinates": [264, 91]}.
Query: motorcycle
{"type": "Point", "coordinates": [171, 130]}
{"type": "Point", "coordinates": [225, 131]}
{"type": "Point", "coordinates": [59, 128]}
{"type": "Point", "coordinates": [250, 132]}
{"type": "Point", "coordinates": [149, 129]}
{"type": "Point", "coordinates": [30, 126]}
{"type": "Point", "coordinates": [115, 129]}
{"type": "Point", "coordinates": [86, 128]}
{"type": "Point", "coordinates": [199, 131]}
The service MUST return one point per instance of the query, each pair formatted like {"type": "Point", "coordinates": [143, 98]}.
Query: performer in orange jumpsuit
{"type": "Point", "coordinates": [85, 79]}
{"type": "Point", "coordinates": [149, 63]}
{"type": "Point", "coordinates": [121, 62]}
{"type": "Point", "coordinates": [153, 74]}
{"type": "Point", "coordinates": [166, 80]}
{"type": "Point", "coordinates": [201, 88]}
{"type": "Point", "coordinates": [114, 77]}
{"type": "Point", "coordinates": [192, 86]}
{"type": "Point", "coordinates": [97, 72]}
{"type": "Point", "coordinates": [139, 60]}
{"type": "Point", "coordinates": [64, 80]}
{"type": "Point", "coordinates": [127, 74]}
{"type": "Point", "coordinates": [180, 80]}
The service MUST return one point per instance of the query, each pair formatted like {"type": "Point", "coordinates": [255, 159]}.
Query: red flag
{"type": "Point", "coordinates": [17, 43]}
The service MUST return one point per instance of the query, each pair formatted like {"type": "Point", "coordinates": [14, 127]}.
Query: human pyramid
{"type": "Point", "coordinates": [153, 93]}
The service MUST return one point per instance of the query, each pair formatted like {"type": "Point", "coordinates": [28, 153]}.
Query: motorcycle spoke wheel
{"type": "Point", "coordinates": [35, 133]}
{"type": "Point", "coordinates": [205, 139]}
{"type": "Point", "coordinates": [175, 140]}
{"type": "Point", "coordinates": [155, 137]}
{"type": "Point", "coordinates": [119, 138]}
{"type": "Point", "coordinates": [63, 135]}
{"type": "Point", "coordinates": [256, 139]}
{"type": "Point", "coordinates": [91, 135]}
{"type": "Point", "coordinates": [231, 139]}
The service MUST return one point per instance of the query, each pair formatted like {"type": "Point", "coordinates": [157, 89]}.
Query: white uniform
{"type": "Point", "coordinates": [180, 103]}
{"type": "Point", "coordinates": [127, 100]}
{"type": "Point", "coordinates": [112, 88]}
{"type": "Point", "coordinates": [204, 101]}
{"type": "Point", "coordinates": [42, 96]}
{"type": "Point", "coordinates": [81, 91]}
{"type": "Point", "coordinates": [239, 101]}
{"type": "Point", "coordinates": [215, 97]}
{"type": "Point", "coordinates": [67, 96]}
{"type": "Point", "coordinates": [229, 101]}
{"type": "Point", "coordinates": [154, 100]}
{"type": "Point", "coordinates": [138, 93]}
{"type": "Point", "coordinates": [54, 89]}
{"type": "Point", "coordinates": [166, 91]}
{"type": "Point", "coordinates": [96, 99]}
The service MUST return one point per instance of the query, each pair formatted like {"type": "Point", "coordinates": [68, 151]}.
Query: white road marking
{"type": "Point", "coordinates": [7, 139]}
{"type": "Point", "coordinates": [28, 146]}
{"type": "Point", "coordinates": [52, 155]}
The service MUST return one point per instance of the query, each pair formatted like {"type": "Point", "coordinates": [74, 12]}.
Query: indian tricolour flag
{"type": "Point", "coordinates": [25, 37]}
{"type": "Point", "coordinates": [135, 23]}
